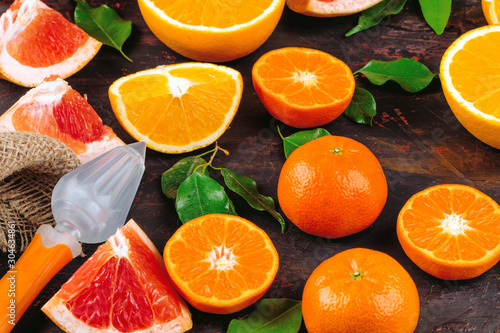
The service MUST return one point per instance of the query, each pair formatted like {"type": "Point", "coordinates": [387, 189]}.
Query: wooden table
{"type": "Point", "coordinates": [416, 137]}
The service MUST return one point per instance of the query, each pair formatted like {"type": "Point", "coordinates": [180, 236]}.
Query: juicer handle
{"type": "Point", "coordinates": [48, 252]}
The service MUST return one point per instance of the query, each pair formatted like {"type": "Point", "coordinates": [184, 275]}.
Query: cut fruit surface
{"type": "Point", "coordinates": [303, 87]}
{"type": "Point", "coordinates": [330, 8]}
{"type": "Point", "coordinates": [470, 76]}
{"type": "Point", "coordinates": [221, 263]}
{"type": "Point", "coordinates": [491, 11]}
{"type": "Point", "coordinates": [212, 31]}
{"type": "Point", "coordinates": [54, 109]}
{"type": "Point", "coordinates": [122, 287]}
{"type": "Point", "coordinates": [177, 108]}
{"type": "Point", "coordinates": [36, 41]}
{"type": "Point", "coordinates": [451, 231]}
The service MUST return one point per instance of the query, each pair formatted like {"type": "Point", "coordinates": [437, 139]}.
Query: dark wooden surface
{"type": "Point", "coordinates": [415, 136]}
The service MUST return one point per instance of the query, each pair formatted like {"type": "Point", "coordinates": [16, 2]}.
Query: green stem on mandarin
{"type": "Point", "coordinates": [336, 151]}
{"type": "Point", "coordinates": [357, 275]}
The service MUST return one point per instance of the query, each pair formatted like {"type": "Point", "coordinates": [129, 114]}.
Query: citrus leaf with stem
{"type": "Point", "coordinates": [374, 15]}
{"type": "Point", "coordinates": [247, 188]}
{"type": "Point", "coordinates": [436, 13]}
{"type": "Point", "coordinates": [173, 177]}
{"type": "Point", "coordinates": [271, 315]}
{"type": "Point", "coordinates": [410, 74]}
{"type": "Point", "coordinates": [292, 142]}
{"type": "Point", "coordinates": [200, 195]}
{"type": "Point", "coordinates": [362, 108]}
{"type": "Point", "coordinates": [103, 24]}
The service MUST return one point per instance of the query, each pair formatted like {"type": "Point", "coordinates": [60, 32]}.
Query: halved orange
{"type": "Point", "coordinates": [177, 108]}
{"type": "Point", "coordinates": [212, 31]}
{"type": "Point", "coordinates": [55, 109]}
{"type": "Point", "coordinates": [451, 231]}
{"type": "Point", "coordinates": [221, 263]}
{"type": "Point", "coordinates": [303, 87]}
{"type": "Point", "coordinates": [470, 76]}
{"type": "Point", "coordinates": [122, 287]}
{"type": "Point", "coordinates": [36, 41]}
{"type": "Point", "coordinates": [330, 8]}
{"type": "Point", "coordinates": [491, 11]}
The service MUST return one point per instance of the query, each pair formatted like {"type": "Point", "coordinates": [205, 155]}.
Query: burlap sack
{"type": "Point", "coordinates": [30, 166]}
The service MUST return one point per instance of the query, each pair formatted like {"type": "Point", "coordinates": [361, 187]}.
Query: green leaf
{"type": "Point", "coordinates": [362, 108]}
{"type": "Point", "coordinates": [273, 315]}
{"type": "Point", "coordinates": [200, 195]}
{"type": "Point", "coordinates": [247, 188]}
{"type": "Point", "coordinates": [173, 177]}
{"type": "Point", "coordinates": [374, 15]}
{"type": "Point", "coordinates": [292, 142]}
{"type": "Point", "coordinates": [410, 74]}
{"type": "Point", "coordinates": [103, 24]}
{"type": "Point", "coordinates": [436, 13]}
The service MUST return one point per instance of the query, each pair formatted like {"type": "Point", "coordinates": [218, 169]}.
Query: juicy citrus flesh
{"type": "Point", "coordinates": [330, 8]}
{"type": "Point", "coordinates": [122, 287]}
{"type": "Point", "coordinates": [221, 263]}
{"type": "Point", "coordinates": [177, 108]}
{"type": "Point", "coordinates": [470, 77]}
{"type": "Point", "coordinates": [332, 187]}
{"type": "Point", "coordinates": [303, 87]}
{"type": "Point", "coordinates": [360, 290]}
{"type": "Point", "coordinates": [451, 231]}
{"type": "Point", "coordinates": [491, 11]}
{"type": "Point", "coordinates": [212, 31]}
{"type": "Point", "coordinates": [37, 42]}
{"type": "Point", "coordinates": [54, 109]}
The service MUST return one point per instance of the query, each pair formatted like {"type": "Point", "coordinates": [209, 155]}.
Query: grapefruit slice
{"type": "Point", "coordinates": [122, 287]}
{"type": "Point", "coordinates": [54, 109]}
{"type": "Point", "coordinates": [36, 41]}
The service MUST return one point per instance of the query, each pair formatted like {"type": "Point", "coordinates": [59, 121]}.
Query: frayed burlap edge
{"type": "Point", "coordinates": [30, 166]}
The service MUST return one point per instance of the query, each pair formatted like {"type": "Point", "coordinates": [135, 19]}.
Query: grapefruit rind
{"type": "Point", "coordinates": [50, 93]}
{"type": "Point", "coordinates": [484, 127]}
{"type": "Point", "coordinates": [120, 109]}
{"type": "Point", "coordinates": [11, 70]}
{"type": "Point", "coordinates": [318, 8]}
{"type": "Point", "coordinates": [57, 311]}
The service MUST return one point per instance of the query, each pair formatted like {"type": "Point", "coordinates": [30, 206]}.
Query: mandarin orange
{"type": "Point", "coordinates": [358, 291]}
{"type": "Point", "coordinates": [332, 187]}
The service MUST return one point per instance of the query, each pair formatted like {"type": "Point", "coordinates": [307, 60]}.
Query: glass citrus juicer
{"type": "Point", "coordinates": [88, 204]}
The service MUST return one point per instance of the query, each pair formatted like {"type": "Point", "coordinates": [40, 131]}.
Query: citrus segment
{"type": "Point", "coordinates": [360, 290]}
{"type": "Point", "coordinates": [212, 31]}
{"type": "Point", "coordinates": [36, 41]}
{"type": "Point", "coordinates": [122, 287]}
{"type": "Point", "coordinates": [330, 8]}
{"type": "Point", "coordinates": [303, 87]}
{"type": "Point", "coordinates": [221, 263]}
{"type": "Point", "coordinates": [332, 187]}
{"type": "Point", "coordinates": [491, 11]}
{"type": "Point", "coordinates": [469, 75]}
{"type": "Point", "coordinates": [177, 108]}
{"type": "Point", "coordinates": [54, 109]}
{"type": "Point", "coordinates": [451, 231]}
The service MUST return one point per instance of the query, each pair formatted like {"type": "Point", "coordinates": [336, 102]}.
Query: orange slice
{"type": "Point", "coordinates": [122, 287]}
{"type": "Point", "coordinates": [212, 31]}
{"type": "Point", "coordinates": [470, 76]}
{"type": "Point", "coordinates": [451, 231]}
{"type": "Point", "coordinates": [330, 8]}
{"type": "Point", "coordinates": [303, 87]}
{"type": "Point", "coordinates": [54, 109]}
{"type": "Point", "coordinates": [177, 108]}
{"type": "Point", "coordinates": [491, 11]}
{"type": "Point", "coordinates": [221, 263]}
{"type": "Point", "coordinates": [36, 41]}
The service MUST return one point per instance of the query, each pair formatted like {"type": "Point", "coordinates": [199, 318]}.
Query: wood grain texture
{"type": "Point", "coordinates": [416, 137]}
